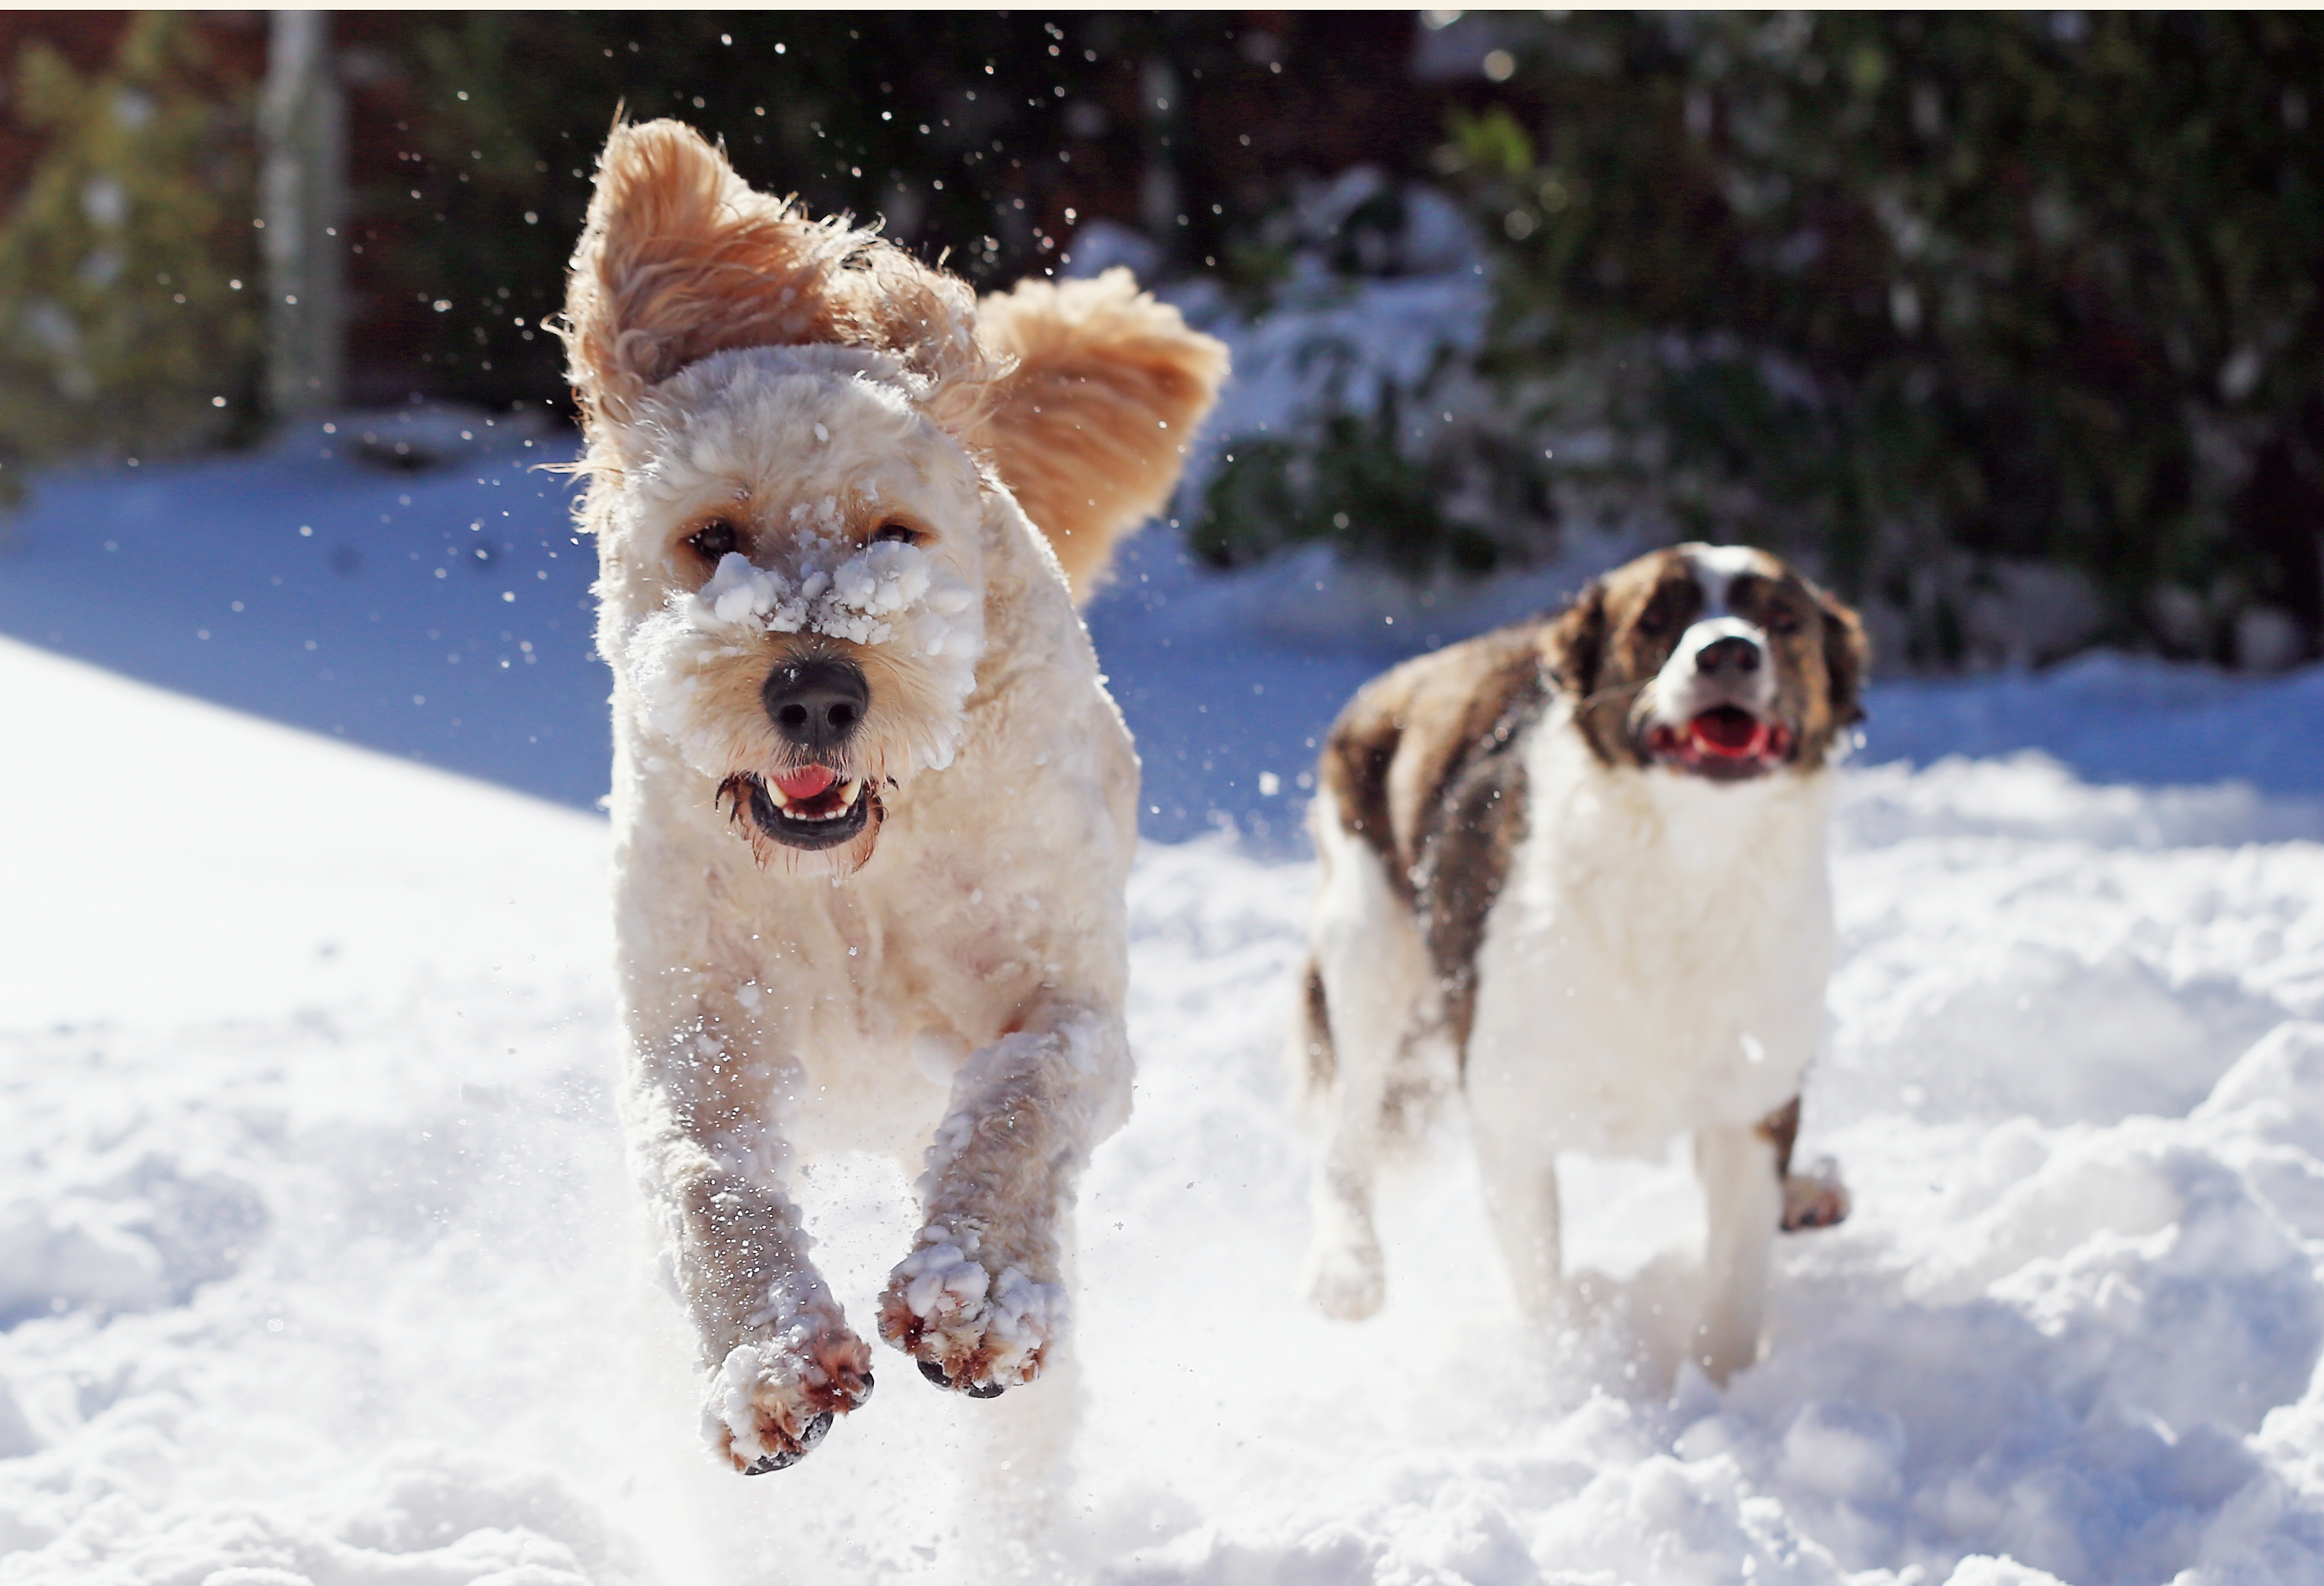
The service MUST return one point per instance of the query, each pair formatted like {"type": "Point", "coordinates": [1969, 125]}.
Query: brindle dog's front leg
{"type": "Point", "coordinates": [781, 1360]}
{"type": "Point", "coordinates": [982, 1303]}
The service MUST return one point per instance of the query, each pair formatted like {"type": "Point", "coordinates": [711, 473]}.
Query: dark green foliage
{"type": "Point", "coordinates": [966, 133]}
{"type": "Point", "coordinates": [1360, 484]}
{"type": "Point", "coordinates": [127, 267]}
{"type": "Point", "coordinates": [1894, 287]}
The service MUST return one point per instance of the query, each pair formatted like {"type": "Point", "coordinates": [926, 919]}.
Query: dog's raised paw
{"type": "Point", "coordinates": [1815, 1199]}
{"type": "Point", "coordinates": [935, 1374]}
{"type": "Point", "coordinates": [768, 1403]}
{"type": "Point", "coordinates": [970, 1331]}
{"type": "Point", "coordinates": [810, 1435]}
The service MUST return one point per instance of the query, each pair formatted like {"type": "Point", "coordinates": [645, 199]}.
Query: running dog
{"type": "Point", "coordinates": [1583, 858]}
{"type": "Point", "coordinates": [872, 807]}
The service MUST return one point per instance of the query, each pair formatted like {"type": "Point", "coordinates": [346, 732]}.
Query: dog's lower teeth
{"type": "Point", "coordinates": [775, 794]}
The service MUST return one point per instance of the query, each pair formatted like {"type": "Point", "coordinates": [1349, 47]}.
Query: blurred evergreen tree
{"type": "Point", "coordinates": [128, 266]}
{"type": "Point", "coordinates": [969, 135]}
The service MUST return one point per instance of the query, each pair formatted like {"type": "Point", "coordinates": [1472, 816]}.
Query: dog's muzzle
{"type": "Point", "coordinates": [1721, 680]}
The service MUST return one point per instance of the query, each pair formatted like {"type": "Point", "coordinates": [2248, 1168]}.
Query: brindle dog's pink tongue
{"type": "Point", "coordinates": [1727, 731]}
{"type": "Point", "coordinates": [806, 783]}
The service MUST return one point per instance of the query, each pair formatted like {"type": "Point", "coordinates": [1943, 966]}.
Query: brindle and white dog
{"type": "Point", "coordinates": [1585, 858]}
{"type": "Point", "coordinates": [873, 811]}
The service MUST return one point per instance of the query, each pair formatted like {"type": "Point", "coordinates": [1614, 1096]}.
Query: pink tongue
{"type": "Point", "coordinates": [1725, 730]}
{"type": "Point", "coordinates": [807, 783]}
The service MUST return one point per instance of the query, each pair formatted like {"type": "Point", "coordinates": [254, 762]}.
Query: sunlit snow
{"type": "Point", "coordinates": [318, 1263]}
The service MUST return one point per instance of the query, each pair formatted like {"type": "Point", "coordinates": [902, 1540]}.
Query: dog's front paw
{"type": "Point", "coordinates": [1814, 1198]}
{"type": "Point", "coordinates": [970, 1330]}
{"type": "Point", "coordinates": [769, 1403]}
{"type": "Point", "coordinates": [1347, 1279]}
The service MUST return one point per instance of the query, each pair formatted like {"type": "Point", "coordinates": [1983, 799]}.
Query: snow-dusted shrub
{"type": "Point", "coordinates": [128, 310]}
{"type": "Point", "coordinates": [1928, 297]}
{"type": "Point", "coordinates": [1357, 417]}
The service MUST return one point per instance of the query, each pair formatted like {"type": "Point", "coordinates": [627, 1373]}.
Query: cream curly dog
{"type": "Point", "coordinates": [873, 809]}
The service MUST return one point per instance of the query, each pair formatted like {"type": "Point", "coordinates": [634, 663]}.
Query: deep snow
{"type": "Point", "coordinates": [317, 1263]}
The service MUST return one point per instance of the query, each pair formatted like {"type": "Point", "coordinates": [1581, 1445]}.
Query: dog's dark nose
{"type": "Point", "coordinates": [1732, 653]}
{"type": "Point", "coordinates": [818, 704]}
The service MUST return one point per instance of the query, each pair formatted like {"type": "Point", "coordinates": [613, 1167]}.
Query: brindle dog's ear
{"type": "Point", "coordinates": [1575, 645]}
{"type": "Point", "coordinates": [1846, 657]}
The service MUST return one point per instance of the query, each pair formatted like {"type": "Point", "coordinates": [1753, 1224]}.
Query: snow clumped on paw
{"type": "Point", "coordinates": [968, 1329]}
{"type": "Point", "coordinates": [769, 1403]}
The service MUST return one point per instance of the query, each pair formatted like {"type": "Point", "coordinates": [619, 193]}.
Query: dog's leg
{"type": "Point", "coordinates": [782, 1361]}
{"type": "Point", "coordinates": [982, 1299]}
{"type": "Point", "coordinates": [1520, 1180]}
{"type": "Point", "coordinates": [1743, 1200]}
{"type": "Point", "coordinates": [1373, 971]}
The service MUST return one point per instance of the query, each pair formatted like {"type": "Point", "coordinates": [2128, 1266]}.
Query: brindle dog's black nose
{"type": "Point", "coordinates": [1732, 653]}
{"type": "Point", "coordinates": [816, 704]}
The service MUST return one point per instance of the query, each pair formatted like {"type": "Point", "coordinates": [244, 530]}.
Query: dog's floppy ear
{"type": "Point", "coordinates": [1847, 658]}
{"type": "Point", "coordinates": [1575, 645]}
{"type": "Point", "coordinates": [681, 259]}
{"type": "Point", "coordinates": [1090, 430]}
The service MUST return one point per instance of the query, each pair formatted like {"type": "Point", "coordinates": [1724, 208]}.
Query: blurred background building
{"type": "Point", "coordinates": [2005, 323]}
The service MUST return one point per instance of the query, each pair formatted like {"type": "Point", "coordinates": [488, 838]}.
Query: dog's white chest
{"type": "Point", "coordinates": [1657, 959]}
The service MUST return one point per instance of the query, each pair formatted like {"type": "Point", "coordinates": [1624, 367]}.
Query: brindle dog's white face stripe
{"type": "Point", "coordinates": [1722, 657]}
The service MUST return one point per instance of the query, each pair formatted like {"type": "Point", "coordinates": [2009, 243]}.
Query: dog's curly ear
{"type": "Point", "coordinates": [1574, 647]}
{"type": "Point", "coordinates": [1090, 427]}
{"type": "Point", "coordinates": [681, 259]}
{"type": "Point", "coordinates": [1847, 658]}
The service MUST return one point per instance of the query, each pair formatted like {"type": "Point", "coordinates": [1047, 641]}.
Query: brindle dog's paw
{"type": "Point", "coordinates": [768, 1403]}
{"type": "Point", "coordinates": [970, 1330]}
{"type": "Point", "coordinates": [1347, 1281]}
{"type": "Point", "coordinates": [1814, 1198]}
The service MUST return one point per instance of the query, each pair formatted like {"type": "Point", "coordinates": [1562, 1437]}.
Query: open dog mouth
{"type": "Point", "coordinates": [813, 806]}
{"type": "Point", "coordinates": [1725, 744]}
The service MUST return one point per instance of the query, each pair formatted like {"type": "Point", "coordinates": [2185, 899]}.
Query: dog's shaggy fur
{"type": "Point", "coordinates": [1583, 859]}
{"type": "Point", "coordinates": [873, 809]}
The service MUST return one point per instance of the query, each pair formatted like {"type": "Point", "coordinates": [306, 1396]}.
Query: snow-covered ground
{"type": "Point", "coordinates": [319, 1265]}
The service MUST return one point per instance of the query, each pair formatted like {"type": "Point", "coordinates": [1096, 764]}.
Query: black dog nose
{"type": "Point", "coordinates": [817, 704]}
{"type": "Point", "coordinates": [1731, 653]}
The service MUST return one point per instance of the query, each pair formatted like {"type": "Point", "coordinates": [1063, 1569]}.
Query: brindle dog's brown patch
{"type": "Point", "coordinates": [1781, 1129]}
{"type": "Point", "coordinates": [1406, 736]}
{"type": "Point", "coordinates": [1423, 767]}
{"type": "Point", "coordinates": [1321, 1063]}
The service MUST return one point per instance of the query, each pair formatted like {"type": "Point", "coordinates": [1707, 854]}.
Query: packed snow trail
{"type": "Point", "coordinates": [318, 1262]}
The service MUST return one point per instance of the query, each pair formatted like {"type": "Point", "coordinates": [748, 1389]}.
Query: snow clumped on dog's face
{"type": "Point", "coordinates": [809, 456]}
{"type": "Point", "coordinates": [807, 552]}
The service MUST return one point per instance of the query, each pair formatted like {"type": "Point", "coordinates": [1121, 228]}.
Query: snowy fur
{"type": "Point", "coordinates": [945, 985]}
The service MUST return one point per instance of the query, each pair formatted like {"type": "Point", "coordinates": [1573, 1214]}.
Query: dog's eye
{"type": "Point", "coordinates": [901, 533]}
{"type": "Point", "coordinates": [1655, 619]}
{"type": "Point", "coordinates": [1783, 620]}
{"type": "Point", "coordinates": [714, 540]}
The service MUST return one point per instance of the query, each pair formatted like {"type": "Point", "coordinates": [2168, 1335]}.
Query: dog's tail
{"type": "Point", "coordinates": [1091, 429]}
